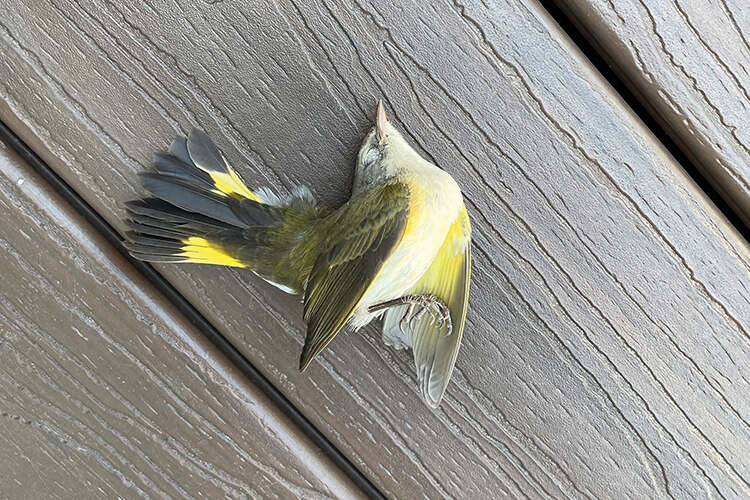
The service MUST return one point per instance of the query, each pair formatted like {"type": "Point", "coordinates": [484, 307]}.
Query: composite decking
{"type": "Point", "coordinates": [607, 348]}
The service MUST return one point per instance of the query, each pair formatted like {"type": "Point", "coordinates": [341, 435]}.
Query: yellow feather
{"type": "Point", "coordinates": [444, 277]}
{"type": "Point", "coordinates": [436, 347]}
{"type": "Point", "coordinates": [230, 183]}
{"type": "Point", "coordinates": [200, 250]}
{"type": "Point", "coordinates": [416, 207]}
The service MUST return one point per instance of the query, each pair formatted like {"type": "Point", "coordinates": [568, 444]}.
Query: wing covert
{"type": "Point", "coordinates": [363, 233]}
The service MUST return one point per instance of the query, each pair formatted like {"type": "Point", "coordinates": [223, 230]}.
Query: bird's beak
{"type": "Point", "coordinates": [380, 121]}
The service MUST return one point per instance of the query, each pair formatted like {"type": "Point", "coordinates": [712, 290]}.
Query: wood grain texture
{"type": "Point", "coordinates": [107, 391]}
{"type": "Point", "coordinates": [688, 62]}
{"type": "Point", "coordinates": [607, 347]}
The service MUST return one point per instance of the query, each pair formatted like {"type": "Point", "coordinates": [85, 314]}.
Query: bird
{"type": "Point", "coordinates": [399, 249]}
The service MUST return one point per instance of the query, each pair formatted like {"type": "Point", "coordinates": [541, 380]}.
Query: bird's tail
{"type": "Point", "coordinates": [202, 212]}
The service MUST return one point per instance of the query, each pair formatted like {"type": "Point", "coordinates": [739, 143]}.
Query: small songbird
{"type": "Point", "coordinates": [399, 248]}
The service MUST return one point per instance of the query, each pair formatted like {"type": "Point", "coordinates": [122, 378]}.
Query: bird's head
{"type": "Point", "coordinates": [384, 153]}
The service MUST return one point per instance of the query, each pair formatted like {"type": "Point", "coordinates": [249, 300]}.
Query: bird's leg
{"type": "Point", "coordinates": [425, 302]}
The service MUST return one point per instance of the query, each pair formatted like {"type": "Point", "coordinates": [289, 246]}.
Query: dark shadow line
{"type": "Point", "coordinates": [597, 58]}
{"type": "Point", "coordinates": [196, 318]}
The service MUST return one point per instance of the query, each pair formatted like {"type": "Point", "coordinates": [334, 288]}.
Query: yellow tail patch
{"type": "Point", "coordinates": [201, 251]}
{"type": "Point", "coordinates": [231, 184]}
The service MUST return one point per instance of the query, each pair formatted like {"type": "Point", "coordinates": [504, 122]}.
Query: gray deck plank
{"type": "Point", "coordinates": [688, 63]}
{"type": "Point", "coordinates": [606, 352]}
{"type": "Point", "coordinates": [106, 391]}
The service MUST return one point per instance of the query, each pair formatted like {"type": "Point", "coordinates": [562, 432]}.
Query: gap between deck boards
{"type": "Point", "coordinates": [579, 38]}
{"type": "Point", "coordinates": [100, 225]}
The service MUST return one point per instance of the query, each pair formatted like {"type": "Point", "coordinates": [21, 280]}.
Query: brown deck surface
{"type": "Point", "coordinates": [689, 63]}
{"type": "Point", "coordinates": [107, 391]}
{"type": "Point", "coordinates": [607, 347]}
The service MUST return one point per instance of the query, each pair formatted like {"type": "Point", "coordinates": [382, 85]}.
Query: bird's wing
{"type": "Point", "coordinates": [363, 233]}
{"type": "Point", "coordinates": [436, 346]}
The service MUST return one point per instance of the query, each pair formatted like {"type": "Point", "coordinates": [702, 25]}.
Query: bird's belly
{"type": "Point", "coordinates": [404, 267]}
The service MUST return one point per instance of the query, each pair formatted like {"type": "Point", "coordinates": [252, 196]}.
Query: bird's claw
{"type": "Point", "coordinates": [405, 319]}
{"type": "Point", "coordinates": [426, 303]}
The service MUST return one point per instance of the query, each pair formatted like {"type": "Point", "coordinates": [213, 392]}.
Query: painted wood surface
{"type": "Point", "coordinates": [689, 63]}
{"type": "Point", "coordinates": [106, 391]}
{"type": "Point", "coordinates": [606, 350]}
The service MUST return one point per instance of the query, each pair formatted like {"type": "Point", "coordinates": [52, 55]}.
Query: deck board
{"type": "Point", "coordinates": [688, 62]}
{"type": "Point", "coordinates": [606, 347]}
{"type": "Point", "coordinates": [108, 391]}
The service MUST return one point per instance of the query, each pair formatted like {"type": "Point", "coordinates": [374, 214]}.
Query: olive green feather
{"type": "Point", "coordinates": [351, 258]}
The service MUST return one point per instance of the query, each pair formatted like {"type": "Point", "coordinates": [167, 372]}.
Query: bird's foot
{"type": "Point", "coordinates": [419, 305]}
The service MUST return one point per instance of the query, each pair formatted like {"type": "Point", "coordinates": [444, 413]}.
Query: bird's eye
{"type": "Point", "coordinates": [371, 156]}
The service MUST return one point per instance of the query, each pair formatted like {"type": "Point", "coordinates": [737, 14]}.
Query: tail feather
{"type": "Point", "coordinates": [158, 259]}
{"type": "Point", "coordinates": [199, 150]}
{"type": "Point", "coordinates": [154, 211]}
{"type": "Point", "coordinates": [155, 240]}
{"type": "Point", "coordinates": [202, 212]}
{"type": "Point", "coordinates": [152, 240]}
{"type": "Point", "coordinates": [191, 197]}
{"type": "Point", "coordinates": [172, 166]}
{"type": "Point", "coordinates": [146, 248]}
{"type": "Point", "coordinates": [155, 230]}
